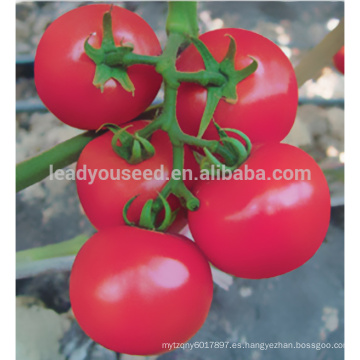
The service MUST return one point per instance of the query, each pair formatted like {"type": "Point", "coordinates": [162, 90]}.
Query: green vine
{"type": "Point", "coordinates": [35, 169]}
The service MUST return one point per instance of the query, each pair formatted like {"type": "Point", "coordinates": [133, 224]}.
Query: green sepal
{"type": "Point", "coordinates": [209, 61]}
{"type": "Point", "coordinates": [146, 218]}
{"type": "Point", "coordinates": [234, 152]}
{"type": "Point", "coordinates": [148, 215]}
{"type": "Point", "coordinates": [168, 218]}
{"type": "Point", "coordinates": [96, 55]}
{"type": "Point", "coordinates": [236, 147]}
{"type": "Point", "coordinates": [126, 209]}
{"type": "Point", "coordinates": [227, 67]}
{"type": "Point", "coordinates": [198, 157]}
{"type": "Point", "coordinates": [243, 136]}
{"type": "Point", "coordinates": [148, 148]}
{"type": "Point", "coordinates": [221, 132]}
{"type": "Point", "coordinates": [135, 157]}
{"type": "Point", "coordinates": [103, 73]}
{"type": "Point", "coordinates": [213, 97]}
{"type": "Point", "coordinates": [141, 150]}
{"type": "Point", "coordinates": [123, 150]}
{"type": "Point", "coordinates": [133, 148]}
{"type": "Point", "coordinates": [239, 149]}
{"type": "Point", "coordinates": [109, 58]}
{"type": "Point", "coordinates": [224, 137]}
{"type": "Point", "coordinates": [209, 160]}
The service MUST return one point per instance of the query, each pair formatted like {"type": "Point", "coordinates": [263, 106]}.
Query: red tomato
{"type": "Point", "coordinates": [103, 199]}
{"type": "Point", "coordinates": [339, 59]}
{"type": "Point", "coordinates": [265, 227]}
{"type": "Point", "coordinates": [267, 99]}
{"type": "Point", "coordinates": [64, 73]}
{"type": "Point", "coordinates": [132, 290]}
{"type": "Point", "coordinates": [180, 221]}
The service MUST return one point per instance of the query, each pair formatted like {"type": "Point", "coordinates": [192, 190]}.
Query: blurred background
{"type": "Point", "coordinates": [304, 306]}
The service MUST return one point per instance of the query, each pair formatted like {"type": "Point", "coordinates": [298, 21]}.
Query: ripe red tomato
{"type": "Point", "coordinates": [339, 59]}
{"type": "Point", "coordinates": [267, 99]}
{"type": "Point", "coordinates": [103, 199]}
{"type": "Point", "coordinates": [263, 228]}
{"type": "Point", "coordinates": [64, 73]}
{"type": "Point", "coordinates": [132, 290]}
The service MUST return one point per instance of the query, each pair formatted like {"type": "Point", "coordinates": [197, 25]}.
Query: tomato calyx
{"type": "Point", "coordinates": [133, 148]}
{"type": "Point", "coordinates": [227, 90]}
{"type": "Point", "coordinates": [233, 151]}
{"type": "Point", "coordinates": [227, 67]}
{"type": "Point", "coordinates": [109, 58]}
{"type": "Point", "coordinates": [149, 215]}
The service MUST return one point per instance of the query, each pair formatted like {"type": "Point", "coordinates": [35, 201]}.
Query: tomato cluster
{"type": "Point", "coordinates": [132, 289]}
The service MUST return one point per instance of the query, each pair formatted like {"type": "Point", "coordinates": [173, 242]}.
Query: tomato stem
{"type": "Point", "coordinates": [165, 64]}
{"type": "Point", "coordinates": [167, 121]}
{"type": "Point", "coordinates": [182, 18]}
{"type": "Point", "coordinates": [203, 78]}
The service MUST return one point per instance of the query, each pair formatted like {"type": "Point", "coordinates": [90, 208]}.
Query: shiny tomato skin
{"type": "Point", "coordinates": [339, 60]}
{"type": "Point", "coordinates": [64, 73]}
{"type": "Point", "coordinates": [103, 200]}
{"type": "Point", "coordinates": [263, 228]}
{"type": "Point", "coordinates": [267, 99]}
{"type": "Point", "coordinates": [131, 290]}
